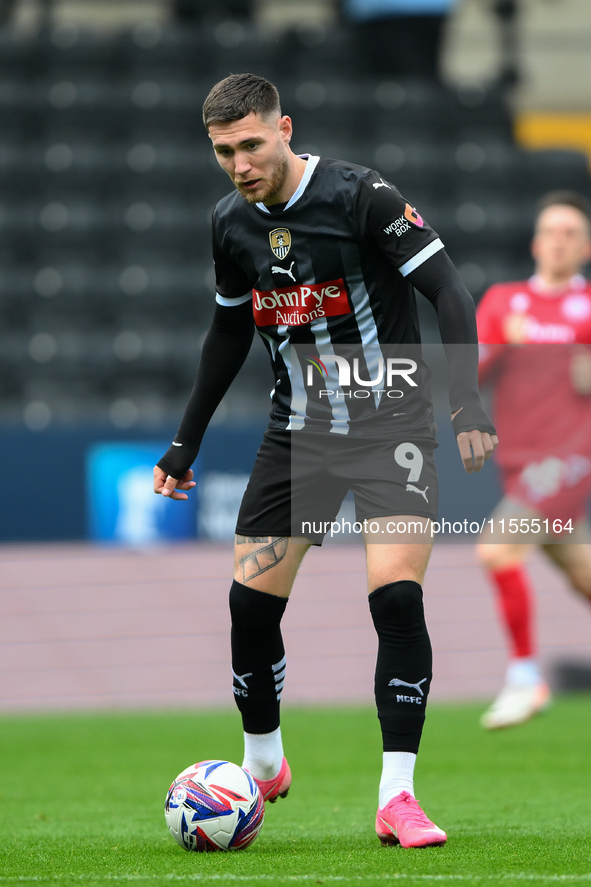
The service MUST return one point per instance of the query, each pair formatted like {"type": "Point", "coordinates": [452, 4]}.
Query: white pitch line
{"type": "Point", "coordinates": [393, 876]}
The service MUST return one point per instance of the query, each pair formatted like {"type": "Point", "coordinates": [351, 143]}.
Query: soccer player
{"type": "Point", "coordinates": [534, 338]}
{"type": "Point", "coordinates": [321, 256]}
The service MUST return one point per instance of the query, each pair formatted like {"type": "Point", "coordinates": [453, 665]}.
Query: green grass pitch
{"type": "Point", "coordinates": [81, 800]}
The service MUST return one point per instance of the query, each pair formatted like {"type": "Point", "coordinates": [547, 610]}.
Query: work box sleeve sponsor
{"type": "Point", "coordinates": [300, 304]}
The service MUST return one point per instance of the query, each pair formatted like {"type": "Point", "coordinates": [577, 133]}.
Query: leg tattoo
{"type": "Point", "coordinates": [262, 559]}
{"type": "Point", "coordinates": [243, 540]}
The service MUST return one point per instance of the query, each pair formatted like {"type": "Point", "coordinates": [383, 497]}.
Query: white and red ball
{"type": "Point", "coordinates": [214, 805]}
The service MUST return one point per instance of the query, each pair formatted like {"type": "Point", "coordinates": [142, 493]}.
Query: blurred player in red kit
{"type": "Point", "coordinates": [535, 337]}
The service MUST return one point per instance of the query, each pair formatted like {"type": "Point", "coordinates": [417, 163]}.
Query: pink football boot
{"type": "Point", "coordinates": [403, 822]}
{"type": "Point", "coordinates": [271, 789]}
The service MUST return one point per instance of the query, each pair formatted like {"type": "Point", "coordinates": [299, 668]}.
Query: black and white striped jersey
{"type": "Point", "coordinates": [327, 277]}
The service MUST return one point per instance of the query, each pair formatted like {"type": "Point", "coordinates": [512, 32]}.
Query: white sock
{"type": "Point", "coordinates": [397, 775]}
{"type": "Point", "coordinates": [263, 754]}
{"type": "Point", "coordinates": [524, 672]}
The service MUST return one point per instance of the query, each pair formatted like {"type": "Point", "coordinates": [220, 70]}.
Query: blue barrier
{"type": "Point", "coordinates": [46, 487]}
{"type": "Point", "coordinates": [45, 494]}
{"type": "Point", "coordinates": [121, 504]}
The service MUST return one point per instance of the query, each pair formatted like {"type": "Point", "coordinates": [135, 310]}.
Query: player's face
{"type": "Point", "coordinates": [561, 244]}
{"type": "Point", "coordinates": [254, 151]}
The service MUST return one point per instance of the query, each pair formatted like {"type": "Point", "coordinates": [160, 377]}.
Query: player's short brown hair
{"type": "Point", "coordinates": [239, 95]}
{"type": "Point", "coordinates": [564, 198]}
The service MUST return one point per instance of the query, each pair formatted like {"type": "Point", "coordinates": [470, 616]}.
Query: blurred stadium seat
{"type": "Point", "coordinates": [107, 182]}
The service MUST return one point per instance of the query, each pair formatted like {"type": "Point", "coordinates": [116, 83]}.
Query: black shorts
{"type": "Point", "coordinates": [299, 481]}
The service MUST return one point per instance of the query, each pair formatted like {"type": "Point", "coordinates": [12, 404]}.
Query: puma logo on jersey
{"type": "Point", "coordinates": [396, 682]}
{"type": "Point", "coordinates": [275, 269]}
{"type": "Point", "coordinates": [382, 184]}
{"type": "Point", "coordinates": [410, 488]}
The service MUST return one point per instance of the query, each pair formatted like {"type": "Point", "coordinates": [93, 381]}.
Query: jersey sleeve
{"type": "Point", "coordinates": [491, 338]}
{"type": "Point", "coordinates": [393, 224]}
{"type": "Point", "coordinates": [232, 284]}
{"type": "Point", "coordinates": [225, 349]}
{"type": "Point", "coordinates": [489, 317]}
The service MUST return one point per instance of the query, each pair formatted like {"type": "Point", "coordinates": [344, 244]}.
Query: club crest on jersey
{"type": "Point", "coordinates": [280, 240]}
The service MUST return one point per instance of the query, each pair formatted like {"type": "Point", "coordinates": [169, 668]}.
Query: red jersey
{"type": "Point", "coordinates": [544, 425]}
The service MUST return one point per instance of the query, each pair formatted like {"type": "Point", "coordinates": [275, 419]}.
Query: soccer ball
{"type": "Point", "coordinates": [214, 805]}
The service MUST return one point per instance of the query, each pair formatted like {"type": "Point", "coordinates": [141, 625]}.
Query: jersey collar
{"type": "Point", "coordinates": [577, 282]}
{"type": "Point", "coordinates": [310, 167]}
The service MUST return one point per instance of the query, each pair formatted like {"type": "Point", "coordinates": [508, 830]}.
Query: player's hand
{"type": "Point", "coordinates": [580, 372]}
{"type": "Point", "coordinates": [515, 328]}
{"type": "Point", "coordinates": [475, 448]}
{"type": "Point", "coordinates": [168, 486]}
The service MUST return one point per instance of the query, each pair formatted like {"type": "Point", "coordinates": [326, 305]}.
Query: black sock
{"type": "Point", "coordinates": [404, 664]}
{"type": "Point", "coordinates": [258, 656]}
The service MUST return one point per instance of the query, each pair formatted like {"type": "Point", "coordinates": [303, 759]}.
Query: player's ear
{"type": "Point", "coordinates": [286, 128]}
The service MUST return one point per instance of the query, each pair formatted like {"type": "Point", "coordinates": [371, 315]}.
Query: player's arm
{"type": "Point", "coordinates": [580, 370]}
{"type": "Point", "coordinates": [492, 328]}
{"type": "Point", "coordinates": [400, 233]}
{"type": "Point", "coordinates": [489, 360]}
{"type": "Point", "coordinates": [225, 349]}
{"type": "Point", "coordinates": [437, 279]}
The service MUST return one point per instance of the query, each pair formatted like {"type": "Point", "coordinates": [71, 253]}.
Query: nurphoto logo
{"type": "Point", "coordinates": [388, 370]}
